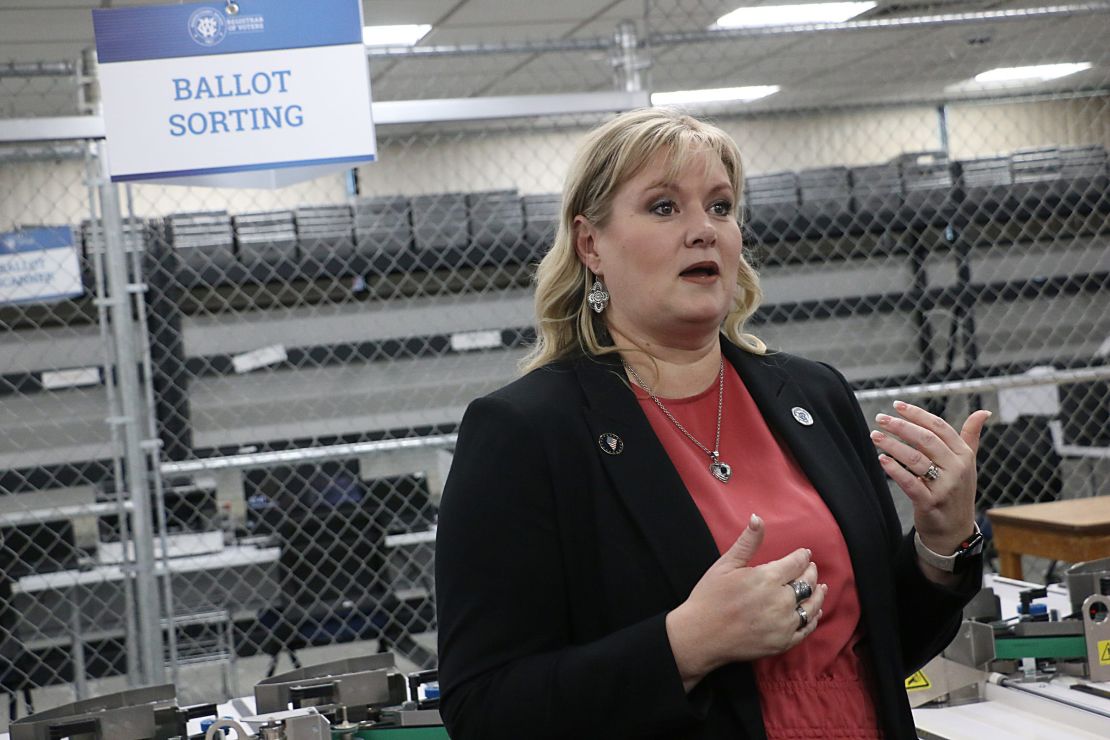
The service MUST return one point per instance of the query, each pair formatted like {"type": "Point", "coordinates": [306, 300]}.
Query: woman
{"type": "Point", "coordinates": [665, 531]}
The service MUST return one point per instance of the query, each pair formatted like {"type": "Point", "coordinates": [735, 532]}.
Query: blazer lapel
{"type": "Point", "coordinates": [813, 445]}
{"type": "Point", "coordinates": [644, 477]}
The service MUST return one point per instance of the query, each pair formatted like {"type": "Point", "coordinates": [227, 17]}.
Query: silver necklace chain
{"type": "Point", "coordinates": [720, 470]}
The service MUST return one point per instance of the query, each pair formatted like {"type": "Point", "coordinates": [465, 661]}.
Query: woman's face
{"type": "Point", "coordinates": [668, 253]}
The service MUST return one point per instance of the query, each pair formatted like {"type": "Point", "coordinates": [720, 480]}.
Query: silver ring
{"type": "Point", "coordinates": [932, 473]}
{"type": "Point", "coordinates": [802, 590]}
{"type": "Point", "coordinates": [803, 617]}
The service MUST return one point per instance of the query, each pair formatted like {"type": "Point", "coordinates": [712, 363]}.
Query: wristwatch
{"type": "Point", "coordinates": [958, 561]}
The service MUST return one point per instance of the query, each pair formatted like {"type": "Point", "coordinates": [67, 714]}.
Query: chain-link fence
{"type": "Point", "coordinates": [302, 356]}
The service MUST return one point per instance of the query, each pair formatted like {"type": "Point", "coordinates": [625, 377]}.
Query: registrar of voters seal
{"type": "Point", "coordinates": [207, 26]}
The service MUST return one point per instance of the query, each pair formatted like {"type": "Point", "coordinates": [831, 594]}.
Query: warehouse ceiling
{"type": "Point", "coordinates": [902, 51]}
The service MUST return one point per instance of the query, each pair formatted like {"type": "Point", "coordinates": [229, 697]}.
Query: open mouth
{"type": "Point", "coordinates": [701, 269]}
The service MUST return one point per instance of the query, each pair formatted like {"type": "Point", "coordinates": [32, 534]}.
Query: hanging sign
{"type": "Point", "coordinates": [249, 93]}
{"type": "Point", "coordinates": [39, 265]}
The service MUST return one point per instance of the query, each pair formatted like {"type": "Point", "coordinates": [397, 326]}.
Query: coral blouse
{"type": "Point", "coordinates": [820, 688]}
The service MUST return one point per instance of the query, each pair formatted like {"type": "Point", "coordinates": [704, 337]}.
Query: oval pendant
{"type": "Point", "coordinates": [721, 471]}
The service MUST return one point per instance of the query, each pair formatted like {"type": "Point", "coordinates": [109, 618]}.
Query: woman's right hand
{"type": "Point", "coordinates": [739, 613]}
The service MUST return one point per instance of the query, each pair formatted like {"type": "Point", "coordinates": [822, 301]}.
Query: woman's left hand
{"type": "Point", "coordinates": [935, 466]}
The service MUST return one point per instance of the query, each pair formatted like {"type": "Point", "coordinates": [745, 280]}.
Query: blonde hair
{"type": "Point", "coordinates": [609, 156]}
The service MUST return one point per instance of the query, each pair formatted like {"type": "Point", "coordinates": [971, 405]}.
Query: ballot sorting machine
{"type": "Point", "coordinates": [1050, 655]}
{"type": "Point", "coordinates": [363, 698]}
{"type": "Point", "coordinates": [1045, 668]}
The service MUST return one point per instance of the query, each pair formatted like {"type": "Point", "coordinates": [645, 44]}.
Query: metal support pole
{"type": "Point", "coordinates": [88, 84]}
{"type": "Point", "coordinates": [626, 57]}
{"type": "Point", "coordinates": [982, 385]}
{"type": "Point", "coordinates": [942, 127]}
{"type": "Point", "coordinates": [36, 69]}
{"type": "Point", "coordinates": [123, 507]}
{"type": "Point", "coordinates": [153, 445]}
{"type": "Point", "coordinates": [77, 649]}
{"type": "Point", "coordinates": [135, 457]}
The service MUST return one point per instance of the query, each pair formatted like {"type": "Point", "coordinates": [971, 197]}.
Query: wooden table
{"type": "Point", "coordinates": [1072, 531]}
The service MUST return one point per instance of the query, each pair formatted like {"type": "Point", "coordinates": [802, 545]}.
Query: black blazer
{"type": "Point", "coordinates": [556, 563]}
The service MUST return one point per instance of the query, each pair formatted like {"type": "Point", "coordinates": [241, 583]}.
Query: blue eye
{"type": "Point", "coordinates": [721, 208]}
{"type": "Point", "coordinates": [663, 208]}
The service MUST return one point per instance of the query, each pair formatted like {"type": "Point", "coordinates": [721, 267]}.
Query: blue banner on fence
{"type": "Point", "coordinates": [39, 265]}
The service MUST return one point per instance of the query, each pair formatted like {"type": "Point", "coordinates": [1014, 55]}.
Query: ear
{"type": "Point", "coordinates": [585, 244]}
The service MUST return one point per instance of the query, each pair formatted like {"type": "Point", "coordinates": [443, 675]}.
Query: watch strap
{"type": "Point", "coordinates": [970, 547]}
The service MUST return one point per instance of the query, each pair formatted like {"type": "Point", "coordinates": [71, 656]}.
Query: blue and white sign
{"type": "Point", "coordinates": [39, 265]}
{"type": "Point", "coordinates": [272, 93]}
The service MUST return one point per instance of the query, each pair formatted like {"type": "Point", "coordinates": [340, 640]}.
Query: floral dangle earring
{"type": "Point", "coordinates": [598, 297]}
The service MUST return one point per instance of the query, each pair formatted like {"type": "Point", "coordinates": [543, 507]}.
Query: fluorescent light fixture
{"type": "Point", "coordinates": [715, 95]}
{"type": "Point", "coordinates": [394, 35]}
{"type": "Point", "coordinates": [1034, 73]}
{"type": "Point", "coordinates": [792, 15]}
{"type": "Point", "coordinates": [1011, 77]}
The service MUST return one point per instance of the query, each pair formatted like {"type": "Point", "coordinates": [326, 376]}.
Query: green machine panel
{"type": "Point", "coordinates": [400, 733]}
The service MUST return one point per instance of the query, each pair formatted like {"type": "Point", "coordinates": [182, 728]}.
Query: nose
{"type": "Point", "coordinates": [701, 231]}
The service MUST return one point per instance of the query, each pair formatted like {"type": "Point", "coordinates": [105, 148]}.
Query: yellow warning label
{"type": "Point", "coordinates": [919, 681]}
{"type": "Point", "coordinates": [1104, 652]}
